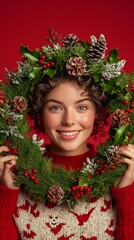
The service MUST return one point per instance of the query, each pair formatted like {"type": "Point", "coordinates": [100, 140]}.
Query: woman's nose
{"type": "Point", "coordinates": [68, 118]}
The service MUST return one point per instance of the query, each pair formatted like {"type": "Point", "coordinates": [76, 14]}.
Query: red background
{"type": "Point", "coordinates": [26, 23]}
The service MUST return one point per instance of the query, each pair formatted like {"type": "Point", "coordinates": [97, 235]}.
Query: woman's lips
{"type": "Point", "coordinates": [69, 135]}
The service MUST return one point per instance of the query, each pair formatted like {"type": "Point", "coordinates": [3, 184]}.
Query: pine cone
{"type": "Point", "coordinates": [120, 117]}
{"type": "Point", "coordinates": [19, 103]}
{"type": "Point", "coordinates": [55, 194]}
{"type": "Point", "coordinates": [70, 40]}
{"type": "Point", "coordinates": [96, 51]}
{"type": "Point", "coordinates": [3, 99]}
{"type": "Point", "coordinates": [76, 66]}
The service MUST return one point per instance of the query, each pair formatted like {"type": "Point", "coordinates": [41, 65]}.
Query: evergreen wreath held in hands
{"type": "Point", "coordinates": [35, 173]}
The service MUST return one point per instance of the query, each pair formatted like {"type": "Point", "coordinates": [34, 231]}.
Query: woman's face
{"type": "Point", "coordinates": [68, 116]}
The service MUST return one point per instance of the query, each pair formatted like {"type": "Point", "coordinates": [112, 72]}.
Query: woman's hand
{"type": "Point", "coordinates": [6, 165]}
{"type": "Point", "coordinates": [128, 158]}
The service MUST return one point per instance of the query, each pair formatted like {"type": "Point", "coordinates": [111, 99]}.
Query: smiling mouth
{"type": "Point", "coordinates": [72, 133]}
{"type": "Point", "coordinates": [68, 134]}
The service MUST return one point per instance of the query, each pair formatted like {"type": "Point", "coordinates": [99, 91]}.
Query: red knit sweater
{"type": "Point", "coordinates": [124, 199]}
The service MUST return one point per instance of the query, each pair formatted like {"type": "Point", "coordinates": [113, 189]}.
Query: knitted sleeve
{"type": "Point", "coordinates": [124, 198]}
{"type": "Point", "coordinates": [8, 199]}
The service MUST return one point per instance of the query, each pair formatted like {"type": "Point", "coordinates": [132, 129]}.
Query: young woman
{"type": "Point", "coordinates": [69, 83]}
{"type": "Point", "coordinates": [70, 107]}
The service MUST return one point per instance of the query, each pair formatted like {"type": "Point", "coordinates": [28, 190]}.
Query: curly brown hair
{"type": "Point", "coordinates": [95, 92]}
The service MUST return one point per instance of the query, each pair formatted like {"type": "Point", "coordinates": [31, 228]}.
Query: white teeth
{"type": "Point", "coordinates": [69, 133]}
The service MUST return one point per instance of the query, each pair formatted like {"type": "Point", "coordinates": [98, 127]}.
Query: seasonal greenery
{"type": "Point", "coordinates": [34, 172]}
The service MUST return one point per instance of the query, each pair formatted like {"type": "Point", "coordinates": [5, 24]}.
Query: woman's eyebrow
{"type": "Point", "coordinates": [83, 99]}
{"type": "Point", "coordinates": [53, 100]}
{"type": "Point", "coordinates": [60, 102]}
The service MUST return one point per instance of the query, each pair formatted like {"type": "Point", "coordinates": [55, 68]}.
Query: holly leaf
{"type": "Point", "coordinates": [113, 56]}
{"type": "Point", "coordinates": [50, 72]}
{"type": "Point", "coordinates": [111, 87]}
{"type": "Point", "coordinates": [128, 96]}
{"type": "Point", "coordinates": [96, 77]}
{"type": "Point", "coordinates": [33, 56]}
{"type": "Point", "coordinates": [120, 134]}
{"type": "Point", "coordinates": [83, 181]}
{"type": "Point", "coordinates": [35, 73]}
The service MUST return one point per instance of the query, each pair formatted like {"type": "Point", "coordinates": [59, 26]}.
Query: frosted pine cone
{"type": "Point", "coordinates": [70, 40]}
{"type": "Point", "coordinates": [55, 194]}
{"type": "Point", "coordinates": [120, 117]}
{"type": "Point", "coordinates": [76, 66]}
{"type": "Point", "coordinates": [96, 51]}
{"type": "Point", "coordinates": [19, 103]}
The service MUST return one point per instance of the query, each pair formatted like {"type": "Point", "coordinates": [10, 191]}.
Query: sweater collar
{"type": "Point", "coordinates": [70, 162]}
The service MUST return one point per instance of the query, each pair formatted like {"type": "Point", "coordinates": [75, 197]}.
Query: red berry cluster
{"type": "Point", "coordinates": [129, 136]}
{"type": "Point", "coordinates": [129, 109]}
{"type": "Point", "coordinates": [130, 87]}
{"type": "Point", "coordinates": [90, 174]}
{"type": "Point", "coordinates": [32, 175]}
{"type": "Point", "coordinates": [11, 149]}
{"type": "Point", "coordinates": [103, 167]}
{"type": "Point", "coordinates": [45, 64]}
{"type": "Point", "coordinates": [78, 191]}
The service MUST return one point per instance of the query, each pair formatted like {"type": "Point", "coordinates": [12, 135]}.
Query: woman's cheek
{"type": "Point", "coordinates": [50, 121]}
{"type": "Point", "coordinates": [87, 121]}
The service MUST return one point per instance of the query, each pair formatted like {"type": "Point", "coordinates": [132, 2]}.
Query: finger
{"type": "Point", "coordinates": [10, 164]}
{"type": "Point", "coordinates": [8, 158]}
{"type": "Point", "coordinates": [4, 149]}
{"type": "Point", "coordinates": [128, 151]}
{"type": "Point", "coordinates": [8, 168]}
{"type": "Point", "coordinates": [128, 161]}
{"type": "Point", "coordinates": [8, 175]}
{"type": "Point", "coordinates": [130, 146]}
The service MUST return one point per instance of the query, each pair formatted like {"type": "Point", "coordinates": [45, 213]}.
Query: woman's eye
{"type": "Point", "coordinates": [55, 108]}
{"type": "Point", "coordinates": [82, 108]}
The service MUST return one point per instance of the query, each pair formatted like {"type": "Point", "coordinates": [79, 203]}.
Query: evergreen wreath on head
{"type": "Point", "coordinates": [35, 173]}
